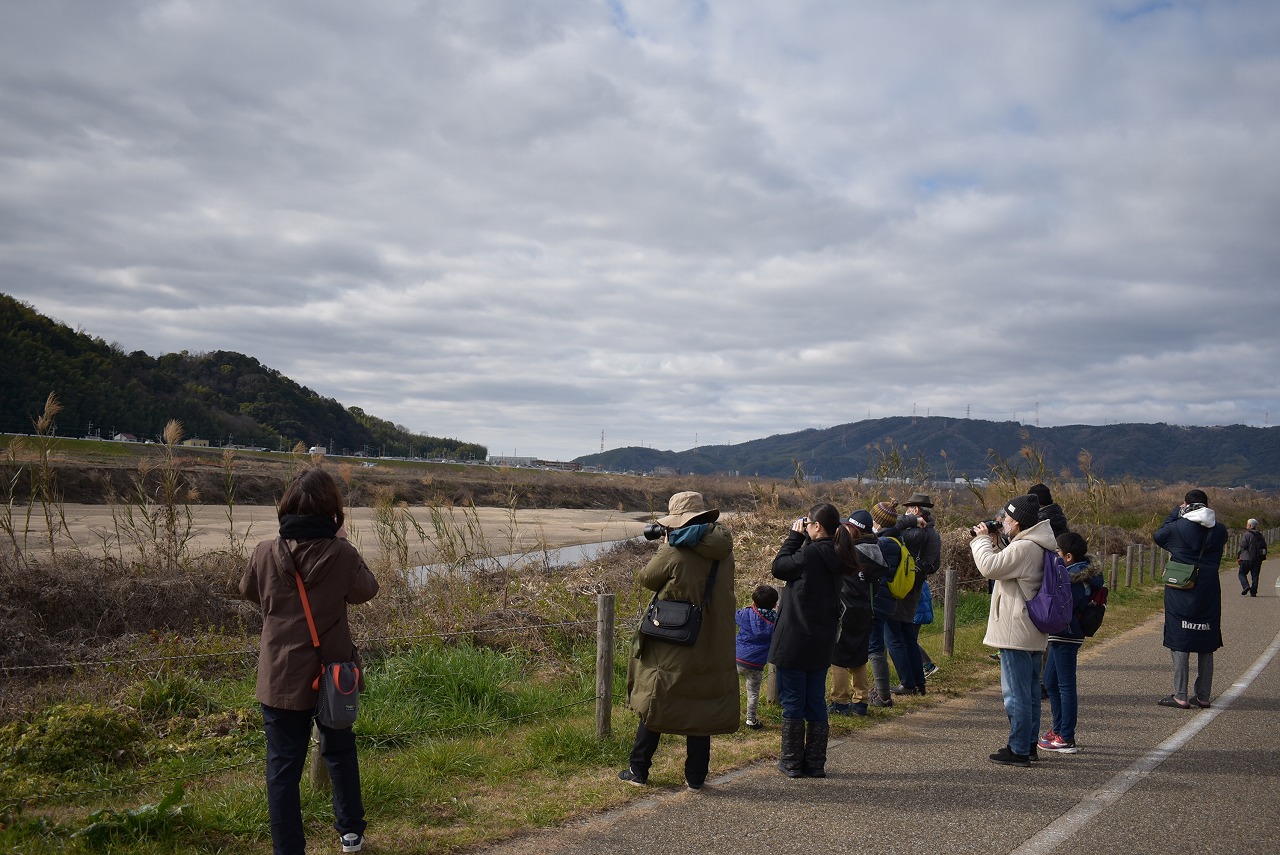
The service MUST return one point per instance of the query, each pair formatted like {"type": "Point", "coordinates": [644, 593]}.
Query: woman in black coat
{"type": "Point", "coordinates": [812, 561]}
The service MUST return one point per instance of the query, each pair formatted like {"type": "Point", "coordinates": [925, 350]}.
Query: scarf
{"type": "Point", "coordinates": [302, 527]}
{"type": "Point", "coordinates": [690, 535]}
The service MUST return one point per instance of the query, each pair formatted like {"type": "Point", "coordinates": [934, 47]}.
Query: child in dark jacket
{"type": "Point", "coordinates": [755, 631]}
{"type": "Point", "coordinates": [1064, 647]}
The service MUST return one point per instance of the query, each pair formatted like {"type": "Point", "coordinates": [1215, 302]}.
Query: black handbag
{"type": "Point", "coordinates": [677, 621]}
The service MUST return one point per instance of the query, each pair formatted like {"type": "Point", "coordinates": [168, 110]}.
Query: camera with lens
{"type": "Point", "coordinates": [992, 526]}
{"type": "Point", "coordinates": [653, 531]}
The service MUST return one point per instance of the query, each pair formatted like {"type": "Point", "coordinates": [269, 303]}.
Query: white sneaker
{"type": "Point", "coordinates": [351, 842]}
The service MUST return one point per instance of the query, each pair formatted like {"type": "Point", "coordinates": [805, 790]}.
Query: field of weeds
{"type": "Point", "coordinates": [129, 722]}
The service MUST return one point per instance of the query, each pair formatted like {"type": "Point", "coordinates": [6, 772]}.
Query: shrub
{"type": "Point", "coordinates": [73, 737]}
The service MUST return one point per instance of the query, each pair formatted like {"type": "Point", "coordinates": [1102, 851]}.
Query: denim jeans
{"type": "Point", "coordinates": [875, 641]}
{"type": "Point", "coordinates": [1020, 685]}
{"type": "Point", "coordinates": [288, 738]}
{"type": "Point", "coordinates": [697, 754]}
{"type": "Point", "coordinates": [803, 694]}
{"type": "Point", "coordinates": [904, 649]}
{"type": "Point", "coordinates": [1060, 682]}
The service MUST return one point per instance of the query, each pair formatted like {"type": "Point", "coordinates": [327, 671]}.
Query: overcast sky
{"type": "Point", "coordinates": [534, 224]}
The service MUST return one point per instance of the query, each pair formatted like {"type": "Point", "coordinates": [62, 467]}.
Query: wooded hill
{"type": "Point", "coordinates": [224, 397]}
{"type": "Point", "coordinates": [937, 448]}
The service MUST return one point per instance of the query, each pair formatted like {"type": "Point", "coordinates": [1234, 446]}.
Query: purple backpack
{"type": "Point", "coordinates": [1051, 609]}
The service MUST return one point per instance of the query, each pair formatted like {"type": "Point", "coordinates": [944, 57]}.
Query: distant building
{"type": "Point", "coordinates": [196, 443]}
{"type": "Point", "coordinates": [533, 463]}
{"type": "Point", "coordinates": [500, 460]}
{"type": "Point", "coordinates": [125, 437]}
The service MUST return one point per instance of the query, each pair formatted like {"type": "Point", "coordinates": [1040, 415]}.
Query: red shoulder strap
{"type": "Point", "coordinates": [306, 609]}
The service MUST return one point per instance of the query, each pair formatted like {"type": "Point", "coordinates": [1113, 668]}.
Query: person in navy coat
{"type": "Point", "coordinates": [1193, 616]}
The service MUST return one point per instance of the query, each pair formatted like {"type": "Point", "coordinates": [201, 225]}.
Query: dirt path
{"type": "Point", "coordinates": [92, 526]}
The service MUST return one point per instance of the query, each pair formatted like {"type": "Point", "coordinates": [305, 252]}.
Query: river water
{"type": "Point", "coordinates": [562, 557]}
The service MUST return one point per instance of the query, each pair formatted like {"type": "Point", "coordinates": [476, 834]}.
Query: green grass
{"type": "Point", "coordinates": [459, 745]}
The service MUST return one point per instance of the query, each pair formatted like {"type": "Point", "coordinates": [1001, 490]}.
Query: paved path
{"type": "Point", "coordinates": [1148, 779]}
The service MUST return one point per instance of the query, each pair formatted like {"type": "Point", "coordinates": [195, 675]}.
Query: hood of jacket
{"type": "Point", "coordinates": [1201, 515]}
{"type": "Point", "coordinates": [1041, 534]}
{"type": "Point", "coordinates": [715, 545]}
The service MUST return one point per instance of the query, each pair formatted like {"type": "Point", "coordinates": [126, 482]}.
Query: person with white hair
{"type": "Point", "coordinates": [1253, 550]}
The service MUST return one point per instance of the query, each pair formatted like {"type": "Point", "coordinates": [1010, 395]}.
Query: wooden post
{"type": "Point", "coordinates": [949, 611]}
{"type": "Point", "coordinates": [1156, 552]}
{"type": "Point", "coordinates": [319, 769]}
{"type": "Point", "coordinates": [604, 666]}
{"type": "Point", "coordinates": [1128, 567]}
{"type": "Point", "coordinates": [1115, 569]}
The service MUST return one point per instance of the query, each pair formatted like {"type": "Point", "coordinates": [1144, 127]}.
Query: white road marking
{"type": "Point", "coordinates": [1064, 827]}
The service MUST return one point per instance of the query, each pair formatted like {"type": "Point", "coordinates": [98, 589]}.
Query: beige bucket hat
{"type": "Point", "coordinates": [685, 507]}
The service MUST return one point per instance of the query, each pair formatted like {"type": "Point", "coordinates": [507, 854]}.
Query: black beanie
{"type": "Point", "coordinates": [1025, 510]}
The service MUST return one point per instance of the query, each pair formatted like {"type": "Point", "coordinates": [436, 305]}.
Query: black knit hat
{"type": "Point", "coordinates": [1025, 510]}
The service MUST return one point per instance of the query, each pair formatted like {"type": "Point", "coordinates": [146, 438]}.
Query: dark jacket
{"type": "Point", "coordinates": [1057, 519]}
{"type": "Point", "coordinates": [809, 615]}
{"type": "Point", "coordinates": [1253, 548]}
{"type": "Point", "coordinates": [692, 691]}
{"type": "Point", "coordinates": [1193, 616]}
{"type": "Point", "coordinates": [855, 605]}
{"type": "Point", "coordinates": [882, 602]}
{"type": "Point", "coordinates": [925, 546]}
{"type": "Point", "coordinates": [334, 576]}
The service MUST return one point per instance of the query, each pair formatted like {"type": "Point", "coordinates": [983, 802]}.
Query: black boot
{"type": "Point", "coordinates": [791, 763]}
{"type": "Point", "coordinates": [815, 750]}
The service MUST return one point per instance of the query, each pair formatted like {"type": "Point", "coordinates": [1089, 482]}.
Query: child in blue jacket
{"type": "Point", "coordinates": [1064, 647]}
{"type": "Point", "coordinates": [755, 631]}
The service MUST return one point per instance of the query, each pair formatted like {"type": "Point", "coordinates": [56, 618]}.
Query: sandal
{"type": "Point", "coordinates": [1171, 701]}
{"type": "Point", "coordinates": [1204, 705]}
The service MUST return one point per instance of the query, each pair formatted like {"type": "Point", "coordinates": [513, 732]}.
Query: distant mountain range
{"type": "Point", "coordinates": [947, 448]}
{"type": "Point", "coordinates": [223, 397]}
{"type": "Point", "coordinates": [227, 397]}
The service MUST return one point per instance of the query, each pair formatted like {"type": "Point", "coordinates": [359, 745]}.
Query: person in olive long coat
{"type": "Point", "coordinates": [689, 691]}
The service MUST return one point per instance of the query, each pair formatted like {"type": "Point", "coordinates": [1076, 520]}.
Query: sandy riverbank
{"type": "Point", "coordinates": [503, 530]}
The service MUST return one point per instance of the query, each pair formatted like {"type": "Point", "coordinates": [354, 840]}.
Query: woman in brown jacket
{"type": "Point", "coordinates": [312, 543]}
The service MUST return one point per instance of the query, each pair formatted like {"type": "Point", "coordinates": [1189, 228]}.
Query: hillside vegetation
{"type": "Point", "coordinates": [223, 397]}
{"type": "Point", "coordinates": [945, 449]}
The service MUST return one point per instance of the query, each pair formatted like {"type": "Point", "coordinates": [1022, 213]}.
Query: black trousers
{"type": "Point", "coordinates": [697, 757]}
{"type": "Point", "coordinates": [288, 740]}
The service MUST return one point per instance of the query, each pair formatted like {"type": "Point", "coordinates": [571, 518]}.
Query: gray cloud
{"type": "Point", "coordinates": [524, 225]}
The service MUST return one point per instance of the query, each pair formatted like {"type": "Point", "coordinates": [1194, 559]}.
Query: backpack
{"type": "Point", "coordinates": [1093, 610]}
{"type": "Point", "coordinates": [904, 578]}
{"type": "Point", "coordinates": [1052, 608]}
